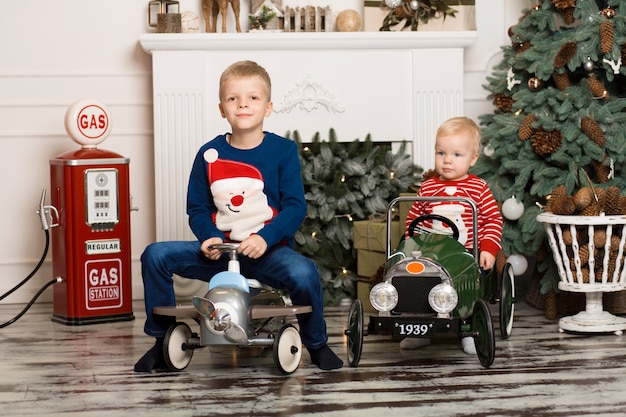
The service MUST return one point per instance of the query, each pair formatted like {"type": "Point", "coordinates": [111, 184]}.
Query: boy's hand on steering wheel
{"type": "Point", "coordinates": [253, 246]}
{"type": "Point", "coordinates": [213, 254]}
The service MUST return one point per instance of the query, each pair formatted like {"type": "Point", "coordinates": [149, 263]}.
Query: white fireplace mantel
{"type": "Point", "coordinates": [395, 86]}
{"type": "Point", "coordinates": [305, 41]}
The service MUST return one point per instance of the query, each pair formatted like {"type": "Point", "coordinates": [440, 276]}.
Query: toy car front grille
{"type": "Point", "coordinates": [413, 293]}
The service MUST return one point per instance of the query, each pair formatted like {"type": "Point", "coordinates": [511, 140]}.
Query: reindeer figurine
{"type": "Point", "coordinates": [210, 8]}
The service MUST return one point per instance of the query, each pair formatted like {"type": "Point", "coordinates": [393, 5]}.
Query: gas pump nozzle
{"type": "Point", "coordinates": [46, 212]}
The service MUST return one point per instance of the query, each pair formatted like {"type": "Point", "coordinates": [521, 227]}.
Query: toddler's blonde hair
{"type": "Point", "coordinates": [461, 124]}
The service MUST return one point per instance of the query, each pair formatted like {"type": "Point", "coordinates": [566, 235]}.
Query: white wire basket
{"type": "Point", "coordinates": [589, 252]}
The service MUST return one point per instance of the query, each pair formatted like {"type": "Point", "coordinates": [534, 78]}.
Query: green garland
{"type": "Point", "coordinates": [416, 11]}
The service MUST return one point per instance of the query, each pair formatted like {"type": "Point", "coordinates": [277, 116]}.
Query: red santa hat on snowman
{"type": "Point", "coordinates": [225, 175]}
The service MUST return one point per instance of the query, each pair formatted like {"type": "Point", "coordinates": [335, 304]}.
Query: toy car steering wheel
{"type": "Point", "coordinates": [226, 246]}
{"type": "Point", "coordinates": [230, 247]}
{"type": "Point", "coordinates": [443, 219]}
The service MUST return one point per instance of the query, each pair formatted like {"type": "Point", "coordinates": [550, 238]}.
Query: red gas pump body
{"type": "Point", "coordinates": [91, 245]}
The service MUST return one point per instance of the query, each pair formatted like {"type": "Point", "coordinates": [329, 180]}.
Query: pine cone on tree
{"type": "Point", "coordinates": [597, 88]}
{"type": "Point", "coordinates": [602, 172]}
{"type": "Point", "coordinates": [561, 80]}
{"type": "Point", "coordinates": [593, 131]}
{"type": "Point", "coordinates": [521, 46]}
{"type": "Point", "coordinates": [428, 174]}
{"type": "Point", "coordinates": [607, 34]}
{"type": "Point", "coordinates": [568, 15]}
{"type": "Point", "coordinates": [565, 54]}
{"type": "Point", "coordinates": [546, 143]}
{"type": "Point", "coordinates": [564, 4]}
{"type": "Point", "coordinates": [526, 127]}
{"type": "Point", "coordinates": [503, 103]}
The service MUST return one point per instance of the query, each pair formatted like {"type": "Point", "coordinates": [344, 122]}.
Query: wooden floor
{"type": "Point", "coordinates": [57, 370]}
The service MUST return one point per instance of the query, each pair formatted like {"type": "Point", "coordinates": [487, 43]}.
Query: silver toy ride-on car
{"type": "Point", "coordinates": [229, 314]}
{"type": "Point", "coordinates": [432, 285]}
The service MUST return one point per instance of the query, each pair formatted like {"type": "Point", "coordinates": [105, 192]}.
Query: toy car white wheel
{"type": "Point", "coordinates": [177, 355]}
{"type": "Point", "coordinates": [507, 300]}
{"type": "Point", "coordinates": [354, 333]}
{"type": "Point", "coordinates": [484, 337]}
{"type": "Point", "coordinates": [287, 349]}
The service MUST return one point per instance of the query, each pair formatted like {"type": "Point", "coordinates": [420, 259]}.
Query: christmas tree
{"type": "Point", "coordinates": [345, 182]}
{"type": "Point", "coordinates": [559, 117]}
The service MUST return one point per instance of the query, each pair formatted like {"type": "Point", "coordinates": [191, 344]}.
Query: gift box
{"type": "Point", "coordinates": [363, 287]}
{"type": "Point", "coordinates": [403, 209]}
{"type": "Point", "coordinates": [368, 262]}
{"type": "Point", "coordinates": [372, 235]}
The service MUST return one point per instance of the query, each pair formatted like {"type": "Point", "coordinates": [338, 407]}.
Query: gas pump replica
{"type": "Point", "coordinates": [91, 244]}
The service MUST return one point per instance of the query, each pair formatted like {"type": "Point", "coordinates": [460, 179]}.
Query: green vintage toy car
{"type": "Point", "coordinates": [433, 285]}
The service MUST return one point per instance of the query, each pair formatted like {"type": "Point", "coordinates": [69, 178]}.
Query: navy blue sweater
{"type": "Point", "coordinates": [276, 159]}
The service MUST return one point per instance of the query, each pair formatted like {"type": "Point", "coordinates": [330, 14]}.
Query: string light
{"type": "Point", "coordinates": [392, 175]}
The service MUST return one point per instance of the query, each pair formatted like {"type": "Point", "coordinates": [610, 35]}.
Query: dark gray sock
{"type": "Point", "coordinates": [325, 358]}
{"type": "Point", "coordinates": [152, 359]}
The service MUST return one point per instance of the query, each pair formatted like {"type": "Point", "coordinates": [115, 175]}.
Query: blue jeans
{"type": "Point", "coordinates": [280, 267]}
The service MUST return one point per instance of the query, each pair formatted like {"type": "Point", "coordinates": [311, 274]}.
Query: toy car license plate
{"type": "Point", "coordinates": [413, 329]}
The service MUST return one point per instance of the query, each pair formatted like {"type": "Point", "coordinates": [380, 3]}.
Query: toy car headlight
{"type": "Point", "coordinates": [443, 298]}
{"type": "Point", "coordinates": [384, 296]}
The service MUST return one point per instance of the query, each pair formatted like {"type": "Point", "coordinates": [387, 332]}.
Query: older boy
{"type": "Point", "coordinates": [244, 186]}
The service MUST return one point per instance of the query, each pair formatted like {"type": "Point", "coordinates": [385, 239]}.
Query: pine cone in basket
{"type": "Point", "coordinates": [558, 191]}
{"type": "Point", "coordinates": [591, 210]}
{"type": "Point", "coordinates": [567, 237]}
{"type": "Point", "coordinates": [551, 309]}
{"type": "Point", "coordinates": [583, 198]}
{"type": "Point", "coordinates": [607, 34]}
{"type": "Point", "coordinates": [563, 205]}
{"type": "Point", "coordinates": [612, 204]}
{"type": "Point", "coordinates": [615, 245]}
{"type": "Point", "coordinates": [583, 254]}
{"type": "Point", "coordinates": [599, 238]}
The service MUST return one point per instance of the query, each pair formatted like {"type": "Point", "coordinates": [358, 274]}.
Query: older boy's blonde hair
{"type": "Point", "coordinates": [461, 124]}
{"type": "Point", "coordinates": [244, 69]}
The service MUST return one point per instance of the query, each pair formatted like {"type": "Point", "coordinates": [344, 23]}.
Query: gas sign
{"type": "Point", "coordinates": [103, 284]}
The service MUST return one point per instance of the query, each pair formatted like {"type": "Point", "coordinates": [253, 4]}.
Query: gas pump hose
{"type": "Point", "coordinates": [25, 280]}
